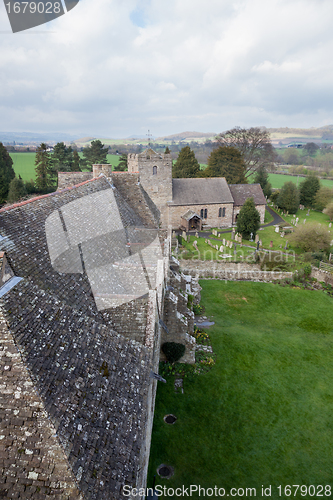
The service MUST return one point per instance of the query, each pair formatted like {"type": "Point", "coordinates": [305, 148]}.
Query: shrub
{"type": "Point", "coordinates": [311, 238]}
{"type": "Point", "coordinates": [173, 351]}
{"type": "Point", "coordinates": [274, 260]}
{"type": "Point", "coordinates": [197, 309]}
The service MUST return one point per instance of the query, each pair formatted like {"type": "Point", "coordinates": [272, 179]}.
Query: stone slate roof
{"type": "Point", "coordinates": [93, 383]}
{"type": "Point", "coordinates": [206, 191]}
{"type": "Point", "coordinates": [241, 192]}
{"type": "Point", "coordinates": [88, 382]}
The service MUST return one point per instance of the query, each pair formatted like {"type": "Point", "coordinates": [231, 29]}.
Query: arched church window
{"type": "Point", "coordinates": [202, 213]}
{"type": "Point", "coordinates": [205, 213]}
{"type": "Point", "coordinates": [220, 212]}
{"type": "Point", "coordinates": [223, 212]}
{"type": "Point", "coordinates": [154, 170]}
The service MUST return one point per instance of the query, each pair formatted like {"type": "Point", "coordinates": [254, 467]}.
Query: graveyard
{"type": "Point", "coordinates": [224, 245]}
{"type": "Point", "coordinates": [262, 414]}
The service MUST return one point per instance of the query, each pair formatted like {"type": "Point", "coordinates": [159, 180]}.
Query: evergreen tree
{"type": "Point", "coordinates": [186, 165]}
{"type": "Point", "coordinates": [62, 158]}
{"type": "Point", "coordinates": [6, 172]}
{"type": "Point", "coordinates": [288, 198]}
{"type": "Point", "coordinates": [76, 162]}
{"type": "Point", "coordinates": [261, 177]}
{"type": "Point", "coordinates": [45, 175]}
{"type": "Point", "coordinates": [226, 161]}
{"type": "Point", "coordinates": [16, 189]}
{"type": "Point", "coordinates": [95, 154]}
{"type": "Point", "coordinates": [308, 190]}
{"type": "Point", "coordinates": [167, 150]}
{"type": "Point", "coordinates": [122, 165]}
{"type": "Point", "coordinates": [248, 220]}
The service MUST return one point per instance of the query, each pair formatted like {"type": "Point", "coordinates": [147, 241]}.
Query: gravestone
{"type": "Point", "coordinates": [330, 224]}
{"type": "Point", "coordinates": [257, 238]}
{"type": "Point", "coordinates": [277, 229]}
{"type": "Point", "coordinates": [221, 248]}
{"type": "Point", "coordinates": [232, 234]}
{"type": "Point", "coordinates": [271, 244]}
{"type": "Point", "coordinates": [196, 234]}
{"type": "Point", "coordinates": [223, 241]}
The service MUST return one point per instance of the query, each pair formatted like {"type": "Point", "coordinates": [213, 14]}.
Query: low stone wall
{"type": "Point", "coordinates": [322, 275]}
{"type": "Point", "coordinates": [230, 271]}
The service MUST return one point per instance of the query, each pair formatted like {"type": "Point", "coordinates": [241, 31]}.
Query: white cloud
{"type": "Point", "coordinates": [116, 68]}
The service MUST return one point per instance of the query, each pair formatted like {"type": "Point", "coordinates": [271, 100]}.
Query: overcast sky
{"type": "Point", "coordinates": [112, 68]}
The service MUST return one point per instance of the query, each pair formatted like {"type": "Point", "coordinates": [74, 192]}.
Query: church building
{"type": "Point", "coordinates": [192, 203]}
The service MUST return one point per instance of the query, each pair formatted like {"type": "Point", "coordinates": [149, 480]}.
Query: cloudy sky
{"type": "Point", "coordinates": [112, 68]}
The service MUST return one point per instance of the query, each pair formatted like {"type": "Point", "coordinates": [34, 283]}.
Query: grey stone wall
{"type": "Point", "coordinates": [322, 275]}
{"type": "Point", "coordinates": [155, 173]}
{"type": "Point", "coordinates": [230, 271]}
{"type": "Point", "coordinates": [69, 179]}
{"type": "Point", "coordinates": [175, 212]}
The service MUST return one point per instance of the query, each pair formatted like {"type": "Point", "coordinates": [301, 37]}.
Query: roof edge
{"type": "Point", "coordinates": [17, 205]}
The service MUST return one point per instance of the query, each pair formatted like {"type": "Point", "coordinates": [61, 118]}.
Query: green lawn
{"type": "Point", "coordinates": [277, 180]}
{"type": "Point", "coordinates": [263, 414]}
{"type": "Point", "coordinates": [24, 164]}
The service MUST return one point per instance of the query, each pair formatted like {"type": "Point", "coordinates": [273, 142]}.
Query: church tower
{"type": "Point", "coordinates": [155, 172]}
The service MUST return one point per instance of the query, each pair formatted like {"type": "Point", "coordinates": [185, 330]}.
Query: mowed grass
{"type": "Point", "coordinates": [277, 180]}
{"type": "Point", "coordinates": [263, 414]}
{"type": "Point", "coordinates": [24, 164]}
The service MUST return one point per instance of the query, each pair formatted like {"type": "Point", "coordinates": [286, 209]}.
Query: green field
{"type": "Point", "coordinates": [277, 180]}
{"type": "Point", "coordinates": [263, 414]}
{"type": "Point", "coordinates": [24, 164]}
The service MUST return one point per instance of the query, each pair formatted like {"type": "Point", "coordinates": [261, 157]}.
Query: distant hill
{"type": "Point", "coordinates": [35, 137]}
{"type": "Point", "coordinates": [183, 136]}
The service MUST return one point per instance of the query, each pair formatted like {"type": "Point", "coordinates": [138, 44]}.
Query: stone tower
{"type": "Point", "coordinates": [155, 172]}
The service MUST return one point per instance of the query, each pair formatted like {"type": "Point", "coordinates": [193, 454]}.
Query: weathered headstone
{"type": "Point", "coordinates": [196, 234]}
{"type": "Point", "coordinates": [257, 238]}
{"type": "Point", "coordinates": [233, 234]}
{"type": "Point", "coordinates": [277, 229]}
{"type": "Point", "coordinates": [271, 244]}
{"type": "Point", "coordinates": [330, 225]}
{"type": "Point", "coordinates": [223, 241]}
{"type": "Point", "coordinates": [222, 248]}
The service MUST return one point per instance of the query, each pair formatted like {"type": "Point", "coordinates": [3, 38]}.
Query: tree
{"type": "Point", "coordinates": [167, 150]}
{"type": "Point", "coordinates": [290, 156]}
{"type": "Point", "coordinates": [16, 189]}
{"type": "Point", "coordinates": [310, 148]}
{"type": "Point", "coordinates": [248, 220]}
{"type": "Point", "coordinates": [6, 172]}
{"type": "Point", "coordinates": [254, 144]}
{"type": "Point", "coordinates": [122, 165]}
{"type": "Point", "coordinates": [288, 198]}
{"type": "Point", "coordinates": [95, 153]}
{"type": "Point", "coordinates": [311, 238]}
{"type": "Point", "coordinates": [62, 158]}
{"type": "Point", "coordinates": [323, 196]}
{"type": "Point", "coordinates": [308, 189]}
{"type": "Point", "coordinates": [226, 161]}
{"type": "Point", "coordinates": [186, 165]}
{"type": "Point", "coordinates": [76, 162]}
{"type": "Point", "coordinates": [45, 175]}
{"type": "Point", "coordinates": [261, 177]}
{"type": "Point", "coordinates": [329, 211]}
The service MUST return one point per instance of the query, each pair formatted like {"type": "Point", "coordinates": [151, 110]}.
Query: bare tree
{"type": "Point", "coordinates": [254, 145]}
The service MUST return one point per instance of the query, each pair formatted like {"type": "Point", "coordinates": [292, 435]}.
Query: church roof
{"type": "Point", "coordinates": [75, 388]}
{"type": "Point", "coordinates": [202, 191]}
{"type": "Point", "coordinates": [241, 192]}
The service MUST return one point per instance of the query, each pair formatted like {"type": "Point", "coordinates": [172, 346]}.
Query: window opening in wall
{"type": "Point", "coordinates": [220, 212]}
{"type": "Point", "coordinates": [154, 170]}
{"type": "Point", "coordinates": [223, 212]}
{"type": "Point", "coordinates": [205, 216]}
{"type": "Point", "coordinates": [202, 213]}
